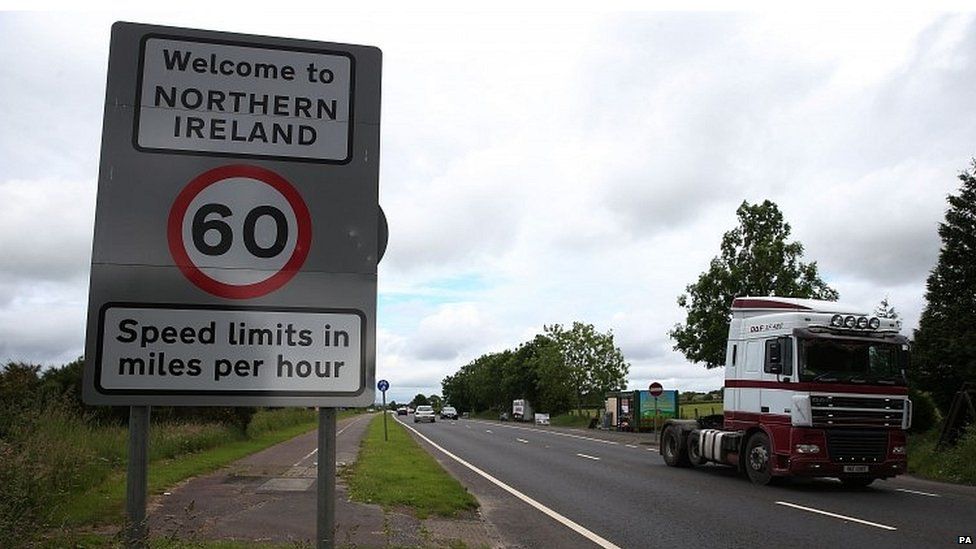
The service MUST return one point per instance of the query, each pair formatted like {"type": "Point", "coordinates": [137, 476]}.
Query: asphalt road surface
{"type": "Point", "coordinates": [593, 491]}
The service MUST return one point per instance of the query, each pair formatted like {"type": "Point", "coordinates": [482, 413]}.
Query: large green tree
{"type": "Point", "coordinates": [945, 341]}
{"type": "Point", "coordinates": [593, 363]}
{"type": "Point", "coordinates": [757, 259]}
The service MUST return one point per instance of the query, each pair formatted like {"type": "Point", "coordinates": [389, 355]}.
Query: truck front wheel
{"type": "Point", "coordinates": [759, 459]}
{"type": "Point", "coordinates": [673, 447]}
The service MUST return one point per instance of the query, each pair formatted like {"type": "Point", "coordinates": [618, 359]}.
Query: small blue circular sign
{"type": "Point", "coordinates": [383, 385]}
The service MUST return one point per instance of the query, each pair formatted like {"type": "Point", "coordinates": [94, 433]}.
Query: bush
{"type": "Point", "coordinates": [925, 414]}
{"type": "Point", "coordinates": [953, 464]}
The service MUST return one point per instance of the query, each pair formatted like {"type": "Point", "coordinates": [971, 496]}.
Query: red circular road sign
{"type": "Point", "coordinates": [239, 231]}
{"type": "Point", "coordinates": [655, 389]}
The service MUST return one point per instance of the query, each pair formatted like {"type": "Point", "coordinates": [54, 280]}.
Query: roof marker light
{"type": "Point", "coordinates": [837, 321]}
{"type": "Point", "coordinates": [862, 322]}
{"type": "Point", "coordinates": [874, 324]}
{"type": "Point", "coordinates": [850, 322]}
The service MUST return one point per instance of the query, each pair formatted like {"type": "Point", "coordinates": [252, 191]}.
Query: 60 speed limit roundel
{"type": "Point", "coordinates": [239, 231]}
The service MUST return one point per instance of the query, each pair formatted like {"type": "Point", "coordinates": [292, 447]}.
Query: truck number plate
{"type": "Point", "coordinates": [855, 468]}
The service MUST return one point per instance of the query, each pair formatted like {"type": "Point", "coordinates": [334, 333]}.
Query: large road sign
{"type": "Point", "coordinates": [237, 229]}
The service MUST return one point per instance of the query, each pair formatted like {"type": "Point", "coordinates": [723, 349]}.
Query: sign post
{"type": "Point", "coordinates": [237, 232]}
{"type": "Point", "coordinates": [655, 389]}
{"type": "Point", "coordinates": [383, 385]}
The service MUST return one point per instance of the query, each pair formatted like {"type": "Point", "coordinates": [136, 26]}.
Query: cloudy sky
{"type": "Point", "coordinates": [549, 167]}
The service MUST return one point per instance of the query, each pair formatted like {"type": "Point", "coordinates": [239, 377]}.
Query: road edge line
{"type": "Point", "coordinates": [835, 515]}
{"type": "Point", "coordinates": [579, 529]}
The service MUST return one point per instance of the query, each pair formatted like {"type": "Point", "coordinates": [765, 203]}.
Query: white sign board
{"type": "Point", "coordinates": [240, 99]}
{"type": "Point", "coordinates": [213, 351]}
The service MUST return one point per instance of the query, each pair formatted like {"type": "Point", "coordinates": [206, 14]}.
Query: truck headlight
{"type": "Point", "coordinates": [807, 449]}
{"type": "Point", "coordinates": [899, 450]}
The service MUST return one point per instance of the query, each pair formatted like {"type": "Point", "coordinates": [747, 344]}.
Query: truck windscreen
{"type": "Point", "coordinates": [851, 361]}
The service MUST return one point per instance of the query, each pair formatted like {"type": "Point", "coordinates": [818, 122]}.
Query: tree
{"type": "Point", "coordinates": [886, 310]}
{"type": "Point", "coordinates": [419, 400]}
{"type": "Point", "coordinates": [756, 259]}
{"type": "Point", "coordinates": [593, 364]}
{"type": "Point", "coordinates": [945, 341]}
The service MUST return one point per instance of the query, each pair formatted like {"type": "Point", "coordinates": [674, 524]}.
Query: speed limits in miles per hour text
{"type": "Point", "coordinates": [210, 350]}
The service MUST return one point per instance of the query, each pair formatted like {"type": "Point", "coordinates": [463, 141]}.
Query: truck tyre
{"type": "Point", "coordinates": [674, 448]}
{"type": "Point", "coordinates": [694, 449]}
{"type": "Point", "coordinates": [759, 459]}
{"type": "Point", "coordinates": [857, 482]}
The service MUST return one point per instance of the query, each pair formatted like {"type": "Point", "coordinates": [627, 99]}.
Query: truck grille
{"type": "Point", "coordinates": [856, 445]}
{"type": "Point", "coordinates": [849, 411]}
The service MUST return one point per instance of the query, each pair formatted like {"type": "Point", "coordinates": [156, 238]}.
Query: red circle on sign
{"type": "Point", "coordinates": [177, 248]}
{"type": "Point", "coordinates": [656, 389]}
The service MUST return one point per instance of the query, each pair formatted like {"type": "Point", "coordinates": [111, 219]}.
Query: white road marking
{"type": "Point", "coordinates": [522, 440]}
{"type": "Point", "coordinates": [595, 538]}
{"type": "Point", "coordinates": [313, 452]}
{"type": "Point", "coordinates": [588, 457]}
{"type": "Point", "coordinates": [907, 491]}
{"type": "Point", "coordinates": [630, 446]}
{"type": "Point", "coordinates": [557, 433]}
{"type": "Point", "coordinates": [835, 515]}
{"type": "Point", "coordinates": [487, 430]}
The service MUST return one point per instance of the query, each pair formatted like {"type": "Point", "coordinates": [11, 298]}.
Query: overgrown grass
{"type": "Point", "coordinates": [399, 472]}
{"type": "Point", "coordinates": [58, 470]}
{"type": "Point", "coordinates": [956, 464]}
{"type": "Point", "coordinates": [104, 503]}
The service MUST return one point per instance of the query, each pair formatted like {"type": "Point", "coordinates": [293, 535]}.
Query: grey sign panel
{"type": "Point", "coordinates": [238, 187]}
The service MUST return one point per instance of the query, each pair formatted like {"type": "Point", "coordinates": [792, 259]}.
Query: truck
{"type": "Point", "coordinates": [522, 410]}
{"type": "Point", "coordinates": [812, 389]}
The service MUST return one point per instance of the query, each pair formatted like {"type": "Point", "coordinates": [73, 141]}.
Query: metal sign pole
{"type": "Point", "coordinates": [655, 420]}
{"type": "Point", "coordinates": [137, 528]}
{"type": "Point", "coordinates": [385, 439]}
{"type": "Point", "coordinates": [325, 515]}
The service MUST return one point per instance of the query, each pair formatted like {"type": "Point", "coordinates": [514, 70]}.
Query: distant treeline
{"type": "Point", "coordinates": [557, 370]}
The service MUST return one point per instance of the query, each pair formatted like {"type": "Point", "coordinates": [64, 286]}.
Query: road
{"type": "Point", "coordinates": [606, 492]}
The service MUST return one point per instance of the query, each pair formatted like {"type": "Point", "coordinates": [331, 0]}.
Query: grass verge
{"type": "Point", "coordinates": [957, 465]}
{"type": "Point", "coordinates": [399, 472]}
{"type": "Point", "coordinates": [104, 503]}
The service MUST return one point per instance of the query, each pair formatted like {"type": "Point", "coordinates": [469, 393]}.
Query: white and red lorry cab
{"type": "Point", "coordinates": [812, 388]}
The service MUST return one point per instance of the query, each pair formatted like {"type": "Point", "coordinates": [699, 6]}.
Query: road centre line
{"type": "Point", "coordinates": [579, 529]}
{"type": "Point", "coordinates": [488, 430]}
{"type": "Point", "coordinates": [630, 446]}
{"type": "Point", "coordinates": [588, 457]}
{"type": "Point", "coordinates": [522, 440]}
{"type": "Point", "coordinates": [557, 433]}
{"type": "Point", "coordinates": [907, 491]}
{"type": "Point", "coordinates": [835, 515]}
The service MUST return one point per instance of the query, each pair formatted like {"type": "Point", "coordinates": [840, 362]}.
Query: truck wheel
{"type": "Point", "coordinates": [759, 459]}
{"type": "Point", "coordinates": [857, 482]}
{"type": "Point", "coordinates": [673, 448]}
{"type": "Point", "coordinates": [694, 450]}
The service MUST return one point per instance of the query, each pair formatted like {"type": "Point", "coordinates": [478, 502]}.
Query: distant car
{"type": "Point", "coordinates": [503, 416]}
{"type": "Point", "coordinates": [402, 411]}
{"type": "Point", "coordinates": [448, 412]}
{"type": "Point", "coordinates": [424, 413]}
